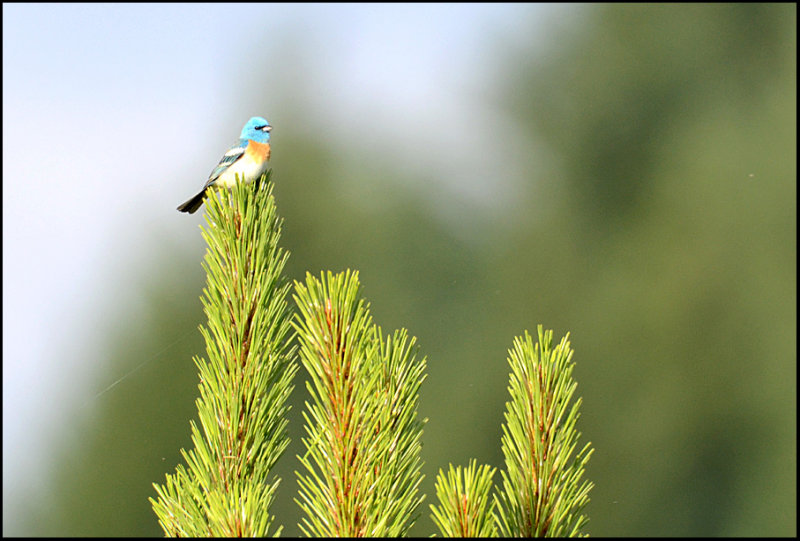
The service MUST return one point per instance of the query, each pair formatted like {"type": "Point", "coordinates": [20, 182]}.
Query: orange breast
{"type": "Point", "coordinates": [257, 151]}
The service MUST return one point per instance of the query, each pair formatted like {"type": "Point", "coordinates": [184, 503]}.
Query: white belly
{"type": "Point", "coordinates": [245, 167]}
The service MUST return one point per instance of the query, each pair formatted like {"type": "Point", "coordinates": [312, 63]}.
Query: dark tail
{"type": "Point", "coordinates": [193, 204]}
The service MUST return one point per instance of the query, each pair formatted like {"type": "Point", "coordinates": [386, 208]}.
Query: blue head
{"type": "Point", "coordinates": [257, 129]}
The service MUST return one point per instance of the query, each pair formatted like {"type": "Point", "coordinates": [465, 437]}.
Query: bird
{"type": "Point", "coordinates": [248, 158]}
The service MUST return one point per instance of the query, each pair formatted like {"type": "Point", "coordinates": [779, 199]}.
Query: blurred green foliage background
{"type": "Point", "coordinates": [656, 224]}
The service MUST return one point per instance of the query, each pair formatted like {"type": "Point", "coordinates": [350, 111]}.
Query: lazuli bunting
{"type": "Point", "coordinates": [248, 158]}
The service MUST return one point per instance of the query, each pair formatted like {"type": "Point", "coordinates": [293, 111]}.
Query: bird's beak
{"type": "Point", "coordinates": [267, 129]}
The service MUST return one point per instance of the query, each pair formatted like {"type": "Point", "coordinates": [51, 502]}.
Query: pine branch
{"type": "Point", "coordinates": [543, 494]}
{"type": "Point", "coordinates": [363, 435]}
{"type": "Point", "coordinates": [465, 507]}
{"type": "Point", "coordinates": [224, 489]}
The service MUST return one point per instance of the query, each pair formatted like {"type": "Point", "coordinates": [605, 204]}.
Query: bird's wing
{"type": "Point", "coordinates": [234, 153]}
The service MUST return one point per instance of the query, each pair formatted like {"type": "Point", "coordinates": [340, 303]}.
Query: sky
{"type": "Point", "coordinates": [109, 109]}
